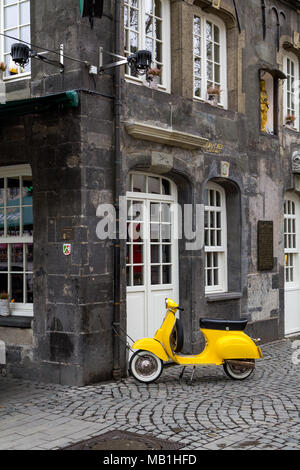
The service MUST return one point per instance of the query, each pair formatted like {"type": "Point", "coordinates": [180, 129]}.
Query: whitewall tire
{"type": "Point", "coordinates": [145, 367]}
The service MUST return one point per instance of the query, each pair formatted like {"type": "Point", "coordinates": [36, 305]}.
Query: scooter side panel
{"type": "Point", "coordinates": [237, 345]}
{"type": "Point", "coordinates": [150, 344]}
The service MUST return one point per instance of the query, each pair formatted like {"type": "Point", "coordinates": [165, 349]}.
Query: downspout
{"type": "Point", "coordinates": [117, 192]}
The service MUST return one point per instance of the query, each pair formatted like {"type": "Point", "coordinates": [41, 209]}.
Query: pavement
{"type": "Point", "coordinates": [214, 413]}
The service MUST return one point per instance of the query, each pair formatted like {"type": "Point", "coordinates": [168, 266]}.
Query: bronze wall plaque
{"type": "Point", "coordinates": [67, 234]}
{"type": "Point", "coordinates": [265, 251]}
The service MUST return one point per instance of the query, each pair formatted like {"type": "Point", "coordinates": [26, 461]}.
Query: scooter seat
{"type": "Point", "coordinates": [229, 325]}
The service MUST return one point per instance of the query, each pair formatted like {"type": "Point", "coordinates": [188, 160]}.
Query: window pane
{"type": "Point", "coordinates": [3, 283]}
{"type": "Point", "coordinates": [3, 258]}
{"type": "Point", "coordinates": [155, 258]}
{"type": "Point", "coordinates": [25, 33]}
{"type": "Point", "coordinates": [154, 212]}
{"type": "Point", "coordinates": [133, 42]}
{"type": "Point", "coordinates": [149, 6]}
{"type": "Point", "coordinates": [154, 232]}
{"type": "Point", "coordinates": [149, 25]}
{"type": "Point", "coordinates": [167, 279]}
{"type": "Point", "coordinates": [17, 257]}
{"type": "Point", "coordinates": [17, 287]}
{"type": "Point", "coordinates": [27, 191]}
{"type": "Point", "coordinates": [197, 90]}
{"type": "Point", "coordinates": [165, 213]}
{"type": "Point", "coordinates": [157, 8]}
{"type": "Point", "coordinates": [25, 13]}
{"type": "Point", "coordinates": [29, 288]}
{"type": "Point", "coordinates": [139, 183]}
{"type": "Point", "coordinates": [166, 253]}
{"type": "Point", "coordinates": [10, 16]}
{"type": "Point", "coordinates": [209, 31]}
{"type": "Point", "coordinates": [155, 275]}
{"type": "Point", "coordinates": [158, 29]}
{"type": "Point", "coordinates": [27, 214]}
{"type": "Point", "coordinates": [166, 189]}
{"type": "Point", "coordinates": [216, 34]}
{"type": "Point", "coordinates": [138, 275]}
{"type": "Point", "coordinates": [1, 222]}
{"type": "Point", "coordinates": [13, 191]}
{"type": "Point", "coordinates": [1, 192]}
{"type": "Point", "coordinates": [13, 221]}
{"type": "Point", "coordinates": [153, 185]}
{"type": "Point", "coordinates": [8, 42]}
{"type": "Point", "coordinates": [197, 25]}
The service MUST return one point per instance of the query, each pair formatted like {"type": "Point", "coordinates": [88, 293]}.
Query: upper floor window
{"type": "Point", "coordinates": [210, 58]}
{"type": "Point", "coordinates": [290, 89]}
{"type": "Point", "coordinates": [14, 22]}
{"type": "Point", "coordinates": [147, 26]}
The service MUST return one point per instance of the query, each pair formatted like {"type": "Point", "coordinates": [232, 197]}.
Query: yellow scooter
{"type": "Point", "coordinates": [226, 344]}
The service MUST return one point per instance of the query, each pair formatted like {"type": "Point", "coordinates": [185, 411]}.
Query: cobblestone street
{"type": "Point", "coordinates": [262, 412]}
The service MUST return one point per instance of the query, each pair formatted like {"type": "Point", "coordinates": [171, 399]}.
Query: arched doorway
{"type": "Point", "coordinates": [152, 251]}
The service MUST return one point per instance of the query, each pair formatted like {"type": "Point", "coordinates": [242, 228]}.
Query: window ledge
{"type": "Point", "coordinates": [223, 296]}
{"type": "Point", "coordinates": [16, 321]}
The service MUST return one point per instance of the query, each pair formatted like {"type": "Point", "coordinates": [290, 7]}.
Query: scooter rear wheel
{"type": "Point", "coordinates": [238, 372]}
{"type": "Point", "coordinates": [145, 367]}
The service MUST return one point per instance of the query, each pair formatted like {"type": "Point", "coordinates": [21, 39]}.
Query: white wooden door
{"type": "Point", "coordinates": [292, 266]}
{"type": "Point", "coordinates": [152, 252]}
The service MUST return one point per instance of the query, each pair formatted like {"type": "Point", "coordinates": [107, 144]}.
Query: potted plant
{"type": "Point", "coordinates": [289, 120]}
{"type": "Point", "coordinates": [213, 95]}
{"type": "Point", "coordinates": [4, 304]}
{"type": "Point", "coordinates": [153, 76]}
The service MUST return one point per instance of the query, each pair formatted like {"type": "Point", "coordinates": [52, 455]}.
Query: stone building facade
{"type": "Point", "coordinates": [72, 141]}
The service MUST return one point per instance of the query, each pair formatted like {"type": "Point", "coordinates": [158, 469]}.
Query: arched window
{"type": "Point", "coordinates": [147, 26]}
{"type": "Point", "coordinates": [210, 57]}
{"type": "Point", "coordinates": [215, 239]}
{"type": "Point", "coordinates": [290, 87]}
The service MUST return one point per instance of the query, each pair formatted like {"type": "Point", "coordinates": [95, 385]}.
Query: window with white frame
{"type": "Point", "coordinates": [215, 239]}
{"type": "Point", "coordinates": [16, 238]}
{"type": "Point", "coordinates": [147, 26]}
{"type": "Point", "coordinates": [291, 88]}
{"type": "Point", "coordinates": [210, 57]}
{"type": "Point", "coordinates": [290, 243]}
{"type": "Point", "coordinates": [14, 23]}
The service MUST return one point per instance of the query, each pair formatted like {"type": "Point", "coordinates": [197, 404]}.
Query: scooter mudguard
{"type": "Point", "coordinates": [150, 344]}
{"type": "Point", "coordinates": [237, 346]}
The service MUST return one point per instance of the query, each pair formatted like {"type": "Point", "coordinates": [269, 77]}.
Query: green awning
{"type": "Point", "coordinates": [38, 105]}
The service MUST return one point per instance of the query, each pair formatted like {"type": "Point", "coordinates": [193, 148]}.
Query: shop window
{"type": "Point", "coordinates": [210, 58]}
{"type": "Point", "coordinates": [16, 238]}
{"type": "Point", "coordinates": [215, 239]}
{"type": "Point", "coordinates": [14, 22]}
{"type": "Point", "coordinates": [147, 26]}
{"type": "Point", "coordinates": [291, 90]}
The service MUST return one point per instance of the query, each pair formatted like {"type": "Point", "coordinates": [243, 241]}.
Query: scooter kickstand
{"type": "Point", "coordinates": [191, 379]}
{"type": "Point", "coordinates": [181, 373]}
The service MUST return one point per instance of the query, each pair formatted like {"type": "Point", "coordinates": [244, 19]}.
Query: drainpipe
{"type": "Point", "coordinates": [117, 267]}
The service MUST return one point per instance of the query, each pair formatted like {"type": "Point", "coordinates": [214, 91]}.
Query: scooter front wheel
{"type": "Point", "coordinates": [238, 371]}
{"type": "Point", "coordinates": [145, 366]}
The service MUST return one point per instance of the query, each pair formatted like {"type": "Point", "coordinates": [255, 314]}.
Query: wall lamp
{"type": "Point", "coordinates": [139, 62]}
{"type": "Point", "coordinates": [21, 53]}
